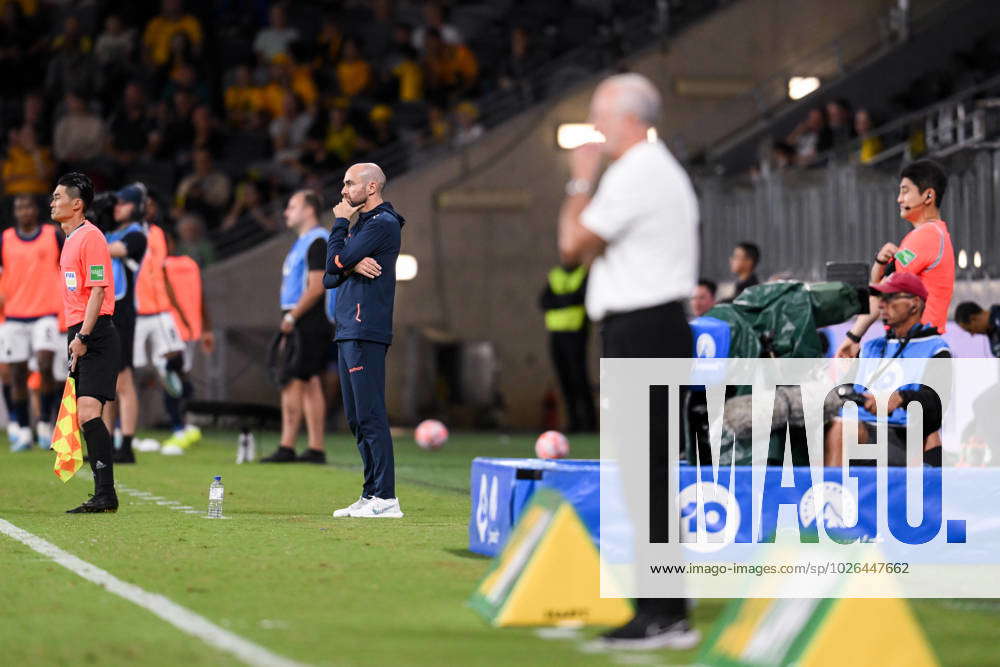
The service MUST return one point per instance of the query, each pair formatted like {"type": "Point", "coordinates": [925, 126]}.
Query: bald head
{"type": "Point", "coordinates": [369, 172]}
{"type": "Point", "coordinates": [363, 185]}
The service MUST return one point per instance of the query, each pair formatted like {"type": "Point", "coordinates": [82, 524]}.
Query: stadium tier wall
{"type": "Point", "coordinates": [482, 223]}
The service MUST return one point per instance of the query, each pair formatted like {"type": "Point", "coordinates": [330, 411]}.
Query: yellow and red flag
{"type": "Point", "coordinates": [66, 439]}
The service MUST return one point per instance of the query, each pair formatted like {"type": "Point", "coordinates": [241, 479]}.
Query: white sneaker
{"type": "Point", "coordinates": [23, 440]}
{"type": "Point", "coordinates": [353, 507]}
{"type": "Point", "coordinates": [44, 430]}
{"type": "Point", "coordinates": [378, 508]}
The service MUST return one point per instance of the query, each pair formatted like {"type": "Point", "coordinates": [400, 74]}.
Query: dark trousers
{"type": "Point", "coordinates": [657, 332]}
{"type": "Point", "coordinates": [569, 355]}
{"type": "Point", "coordinates": [361, 365]}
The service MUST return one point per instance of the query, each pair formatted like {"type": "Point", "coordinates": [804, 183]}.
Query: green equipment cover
{"type": "Point", "coordinates": [777, 319]}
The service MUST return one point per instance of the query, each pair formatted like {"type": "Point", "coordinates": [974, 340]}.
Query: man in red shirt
{"type": "Point", "coordinates": [94, 346]}
{"type": "Point", "coordinates": [926, 251]}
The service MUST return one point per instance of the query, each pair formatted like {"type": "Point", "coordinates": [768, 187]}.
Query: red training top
{"type": "Point", "coordinates": [185, 278]}
{"type": "Point", "coordinates": [31, 269]}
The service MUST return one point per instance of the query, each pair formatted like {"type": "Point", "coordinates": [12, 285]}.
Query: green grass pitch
{"type": "Point", "coordinates": [284, 574]}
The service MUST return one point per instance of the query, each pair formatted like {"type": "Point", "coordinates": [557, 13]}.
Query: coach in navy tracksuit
{"type": "Point", "coordinates": [361, 264]}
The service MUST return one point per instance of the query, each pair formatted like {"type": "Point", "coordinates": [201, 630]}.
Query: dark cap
{"type": "Point", "coordinates": [133, 194]}
{"type": "Point", "coordinates": [900, 282]}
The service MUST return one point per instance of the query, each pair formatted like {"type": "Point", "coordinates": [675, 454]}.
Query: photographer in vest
{"type": "Point", "coordinates": [127, 245]}
{"type": "Point", "coordinates": [304, 324]}
{"type": "Point", "coordinates": [902, 299]}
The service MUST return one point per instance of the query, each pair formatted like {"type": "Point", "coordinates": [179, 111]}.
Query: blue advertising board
{"type": "Point", "coordinates": [501, 488]}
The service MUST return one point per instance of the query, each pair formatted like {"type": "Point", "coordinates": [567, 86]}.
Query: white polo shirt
{"type": "Point", "coordinates": [646, 210]}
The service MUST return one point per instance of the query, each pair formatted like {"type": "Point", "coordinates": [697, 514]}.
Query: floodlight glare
{"type": "Point", "coordinates": [800, 86]}
{"type": "Point", "coordinates": [406, 267]}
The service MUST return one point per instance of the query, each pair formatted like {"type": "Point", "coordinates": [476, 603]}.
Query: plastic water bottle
{"type": "Point", "coordinates": [246, 447]}
{"type": "Point", "coordinates": [215, 495]}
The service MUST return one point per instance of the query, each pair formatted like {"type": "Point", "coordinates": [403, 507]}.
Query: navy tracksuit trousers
{"type": "Point", "coordinates": [361, 365]}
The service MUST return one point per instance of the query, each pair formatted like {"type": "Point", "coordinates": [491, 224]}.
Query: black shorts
{"type": "Point", "coordinates": [96, 372]}
{"type": "Point", "coordinates": [125, 324]}
{"type": "Point", "coordinates": [314, 350]}
{"type": "Point", "coordinates": [896, 447]}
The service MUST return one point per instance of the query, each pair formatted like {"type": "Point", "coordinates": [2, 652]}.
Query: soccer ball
{"type": "Point", "coordinates": [552, 445]}
{"type": "Point", "coordinates": [431, 434]}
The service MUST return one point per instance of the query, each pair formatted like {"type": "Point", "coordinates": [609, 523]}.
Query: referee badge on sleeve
{"type": "Point", "coordinates": [97, 272]}
{"type": "Point", "coordinates": [71, 280]}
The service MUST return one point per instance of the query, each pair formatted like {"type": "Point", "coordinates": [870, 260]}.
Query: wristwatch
{"type": "Point", "coordinates": [83, 338]}
{"type": "Point", "coordinates": [853, 336]}
{"type": "Point", "coordinates": [289, 318]}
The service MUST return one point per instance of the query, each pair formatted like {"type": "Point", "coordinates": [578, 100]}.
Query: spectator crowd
{"type": "Point", "coordinates": [223, 108]}
{"type": "Point", "coordinates": [837, 130]}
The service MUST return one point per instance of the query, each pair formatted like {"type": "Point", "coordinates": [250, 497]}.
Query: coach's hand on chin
{"type": "Point", "coordinates": [344, 209]}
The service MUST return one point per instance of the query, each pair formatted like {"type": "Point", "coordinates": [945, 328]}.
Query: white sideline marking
{"type": "Point", "coordinates": [180, 617]}
{"type": "Point", "coordinates": [146, 496]}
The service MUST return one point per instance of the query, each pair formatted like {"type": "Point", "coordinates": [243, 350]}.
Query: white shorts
{"type": "Point", "coordinates": [160, 333]}
{"type": "Point", "coordinates": [60, 365]}
{"type": "Point", "coordinates": [191, 349]}
{"type": "Point", "coordinates": [20, 340]}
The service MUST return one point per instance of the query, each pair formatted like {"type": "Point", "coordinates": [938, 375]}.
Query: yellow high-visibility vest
{"type": "Point", "coordinates": [561, 282]}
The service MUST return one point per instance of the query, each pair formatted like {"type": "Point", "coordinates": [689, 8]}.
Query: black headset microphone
{"type": "Point", "coordinates": [923, 203]}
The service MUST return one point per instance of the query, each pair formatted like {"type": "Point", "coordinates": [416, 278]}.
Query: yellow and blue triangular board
{"type": "Point", "coordinates": [760, 632]}
{"type": "Point", "coordinates": [548, 573]}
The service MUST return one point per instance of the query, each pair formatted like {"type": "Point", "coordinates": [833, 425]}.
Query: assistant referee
{"type": "Point", "coordinates": [94, 346]}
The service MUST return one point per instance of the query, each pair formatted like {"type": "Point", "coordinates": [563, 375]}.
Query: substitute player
{"type": "Point", "coordinates": [127, 244]}
{"type": "Point", "coordinates": [29, 259]}
{"type": "Point", "coordinates": [94, 346]}
{"type": "Point", "coordinates": [926, 251]}
{"type": "Point", "coordinates": [192, 321]}
{"type": "Point", "coordinates": [154, 326]}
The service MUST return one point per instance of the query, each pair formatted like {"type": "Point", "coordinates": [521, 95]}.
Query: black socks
{"type": "Point", "coordinates": [47, 407]}
{"type": "Point", "coordinates": [20, 412]}
{"type": "Point", "coordinates": [932, 457]}
{"type": "Point", "coordinates": [100, 451]}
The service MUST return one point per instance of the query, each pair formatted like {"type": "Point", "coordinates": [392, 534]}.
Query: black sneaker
{"type": "Point", "coordinates": [646, 632]}
{"type": "Point", "coordinates": [312, 456]}
{"type": "Point", "coordinates": [102, 502]}
{"type": "Point", "coordinates": [281, 455]}
{"type": "Point", "coordinates": [124, 455]}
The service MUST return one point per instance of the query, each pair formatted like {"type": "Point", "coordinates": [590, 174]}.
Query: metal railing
{"type": "Point", "coordinates": [870, 38]}
{"type": "Point", "coordinates": [801, 220]}
{"type": "Point", "coordinates": [962, 121]}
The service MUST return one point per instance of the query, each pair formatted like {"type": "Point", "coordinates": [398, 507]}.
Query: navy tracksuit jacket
{"type": "Point", "coordinates": [364, 332]}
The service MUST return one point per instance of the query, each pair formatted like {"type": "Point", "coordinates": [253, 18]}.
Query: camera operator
{"type": "Point", "coordinates": [902, 299]}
